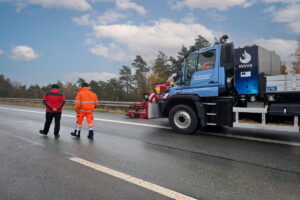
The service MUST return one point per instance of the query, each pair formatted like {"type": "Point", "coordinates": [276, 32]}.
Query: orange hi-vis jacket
{"type": "Point", "coordinates": [85, 100]}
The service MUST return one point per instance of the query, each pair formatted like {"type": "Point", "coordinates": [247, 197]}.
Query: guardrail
{"type": "Point", "coordinates": [71, 102]}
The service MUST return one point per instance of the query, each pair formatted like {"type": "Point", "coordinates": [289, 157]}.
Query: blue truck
{"type": "Point", "coordinates": [235, 87]}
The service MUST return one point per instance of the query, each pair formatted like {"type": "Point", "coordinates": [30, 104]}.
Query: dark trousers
{"type": "Point", "coordinates": [49, 118]}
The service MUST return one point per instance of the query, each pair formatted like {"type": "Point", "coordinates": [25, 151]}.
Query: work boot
{"type": "Point", "coordinates": [91, 134]}
{"type": "Point", "coordinates": [57, 136]}
{"type": "Point", "coordinates": [42, 132]}
{"type": "Point", "coordinates": [75, 133]}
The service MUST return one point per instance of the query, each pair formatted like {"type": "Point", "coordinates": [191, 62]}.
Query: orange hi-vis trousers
{"type": "Point", "coordinates": [89, 118]}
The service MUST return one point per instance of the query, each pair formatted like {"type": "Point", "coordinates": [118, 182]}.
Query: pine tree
{"type": "Point", "coordinates": [80, 81]}
{"type": "Point", "coordinates": [140, 76]}
{"type": "Point", "coordinates": [94, 87]}
{"type": "Point", "coordinates": [182, 53]}
{"type": "Point", "coordinates": [175, 63]}
{"type": "Point", "coordinates": [201, 42]}
{"type": "Point", "coordinates": [126, 78]}
{"type": "Point", "coordinates": [161, 68]}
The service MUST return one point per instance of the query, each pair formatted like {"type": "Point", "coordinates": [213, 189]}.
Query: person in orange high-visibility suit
{"type": "Point", "coordinates": [85, 103]}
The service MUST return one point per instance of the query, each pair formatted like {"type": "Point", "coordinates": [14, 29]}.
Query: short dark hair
{"type": "Point", "coordinates": [84, 84]}
{"type": "Point", "coordinates": [55, 86]}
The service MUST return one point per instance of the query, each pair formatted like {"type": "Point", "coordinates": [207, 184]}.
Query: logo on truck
{"type": "Point", "coordinates": [245, 58]}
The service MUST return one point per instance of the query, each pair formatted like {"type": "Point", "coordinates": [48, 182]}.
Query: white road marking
{"type": "Point", "coordinates": [167, 127]}
{"type": "Point", "coordinates": [21, 138]}
{"type": "Point", "coordinates": [139, 182]}
{"type": "Point", "coordinates": [257, 139]}
{"type": "Point", "coordinates": [5, 108]}
{"type": "Point", "coordinates": [97, 119]}
{"type": "Point", "coordinates": [133, 123]}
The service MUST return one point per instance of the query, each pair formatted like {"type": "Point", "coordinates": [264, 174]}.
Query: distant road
{"type": "Point", "coordinates": [142, 159]}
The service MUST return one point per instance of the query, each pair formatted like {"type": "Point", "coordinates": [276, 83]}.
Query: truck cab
{"type": "Point", "coordinates": [203, 78]}
{"type": "Point", "coordinates": [201, 73]}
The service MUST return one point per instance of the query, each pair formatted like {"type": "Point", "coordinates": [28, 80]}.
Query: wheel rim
{"type": "Point", "coordinates": [182, 119]}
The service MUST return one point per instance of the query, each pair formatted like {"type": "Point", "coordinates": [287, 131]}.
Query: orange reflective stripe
{"type": "Point", "coordinates": [86, 101]}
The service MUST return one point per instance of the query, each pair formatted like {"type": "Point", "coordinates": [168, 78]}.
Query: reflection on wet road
{"type": "Point", "coordinates": [212, 164]}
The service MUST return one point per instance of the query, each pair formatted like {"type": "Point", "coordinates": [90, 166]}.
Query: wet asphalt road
{"type": "Point", "coordinates": [203, 166]}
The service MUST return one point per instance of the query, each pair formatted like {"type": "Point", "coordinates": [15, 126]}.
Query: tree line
{"type": "Point", "coordinates": [132, 83]}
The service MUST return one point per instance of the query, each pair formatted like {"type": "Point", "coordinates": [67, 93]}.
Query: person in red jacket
{"type": "Point", "coordinates": [54, 100]}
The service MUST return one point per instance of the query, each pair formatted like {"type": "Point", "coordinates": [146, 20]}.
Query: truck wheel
{"type": "Point", "coordinates": [183, 119]}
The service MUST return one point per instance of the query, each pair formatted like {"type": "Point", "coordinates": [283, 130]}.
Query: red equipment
{"type": "Point", "coordinates": [138, 110]}
{"type": "Point", "coordinates": [141, 110]}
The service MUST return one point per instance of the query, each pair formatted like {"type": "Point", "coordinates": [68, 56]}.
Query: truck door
{"type": "Point", "coordinates": [204, 79]}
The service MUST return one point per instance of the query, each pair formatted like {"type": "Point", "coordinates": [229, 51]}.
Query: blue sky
{"type": "Point", "coordinates": [43, 41]}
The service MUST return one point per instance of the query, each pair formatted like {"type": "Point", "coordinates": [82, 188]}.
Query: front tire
{"type": "Point", "coordinates": [183, 119]}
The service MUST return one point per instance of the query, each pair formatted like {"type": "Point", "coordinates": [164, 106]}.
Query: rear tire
{"type": "Point", "coordinates": [183, 119]}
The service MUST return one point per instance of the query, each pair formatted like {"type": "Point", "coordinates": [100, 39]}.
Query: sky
{"type": "Point", "coordinates": [43, 41]}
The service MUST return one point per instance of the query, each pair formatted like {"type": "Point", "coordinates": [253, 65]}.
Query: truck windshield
{"type": "Point", "coordinates": [190, 68]}
{"type": "Point", "coordinates": [206, 60]}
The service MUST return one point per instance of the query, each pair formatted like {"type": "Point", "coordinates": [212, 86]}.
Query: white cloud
{"type": "Point", "coordinates": [189, 18]}
{"type": "Point", "coordinates": [110, 16]}
{"type": "Point", "coordinates": [147, 40]}
{"type": "Point", "coordinates": [206, 4]}
{"type": "Point", "coordinates": [112, 51]}
{"type": "Point", "coordinates": [95, 1]}
{"type": "Point", "coordinates": [127, 4]}
{"type": "Point", "coordinates": [80, 5]}
{"type": "Point", "coordinates": [89, 41]}
{"type": "Point", "coordinates": [20, 5]}
{"type": "Point", "coordinates": [270, 9]}
{"type": "Point", "coordinates": [83, 20]}
{"type": "Point", "coordinates": [284, 48]}
{"type": "Point", "coordinates": [295, 26]}
{"type": "Point", "coordinates": [289, 14]}
{"type": "Point", "coordinates": [1, 52]}
{"type": "Point", "coordinates": [280, 1]}
{"type": "Point", "coordinates": [96, 76]}
{"type": "Point", "coordinates": [23, 53]}
{"type": "Point", "coordinates": [216, 16]}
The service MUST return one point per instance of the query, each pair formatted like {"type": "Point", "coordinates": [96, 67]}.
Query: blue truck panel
{"type": "Point", "coordinates": [202, 91]}
{"type": "Point", "coordinates": [246, 74]}
{"type": "Point", "coordinates": [222, 77]}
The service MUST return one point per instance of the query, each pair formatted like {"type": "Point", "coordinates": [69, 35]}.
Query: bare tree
{"type": "Point", "coordinates": [296, 63]}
